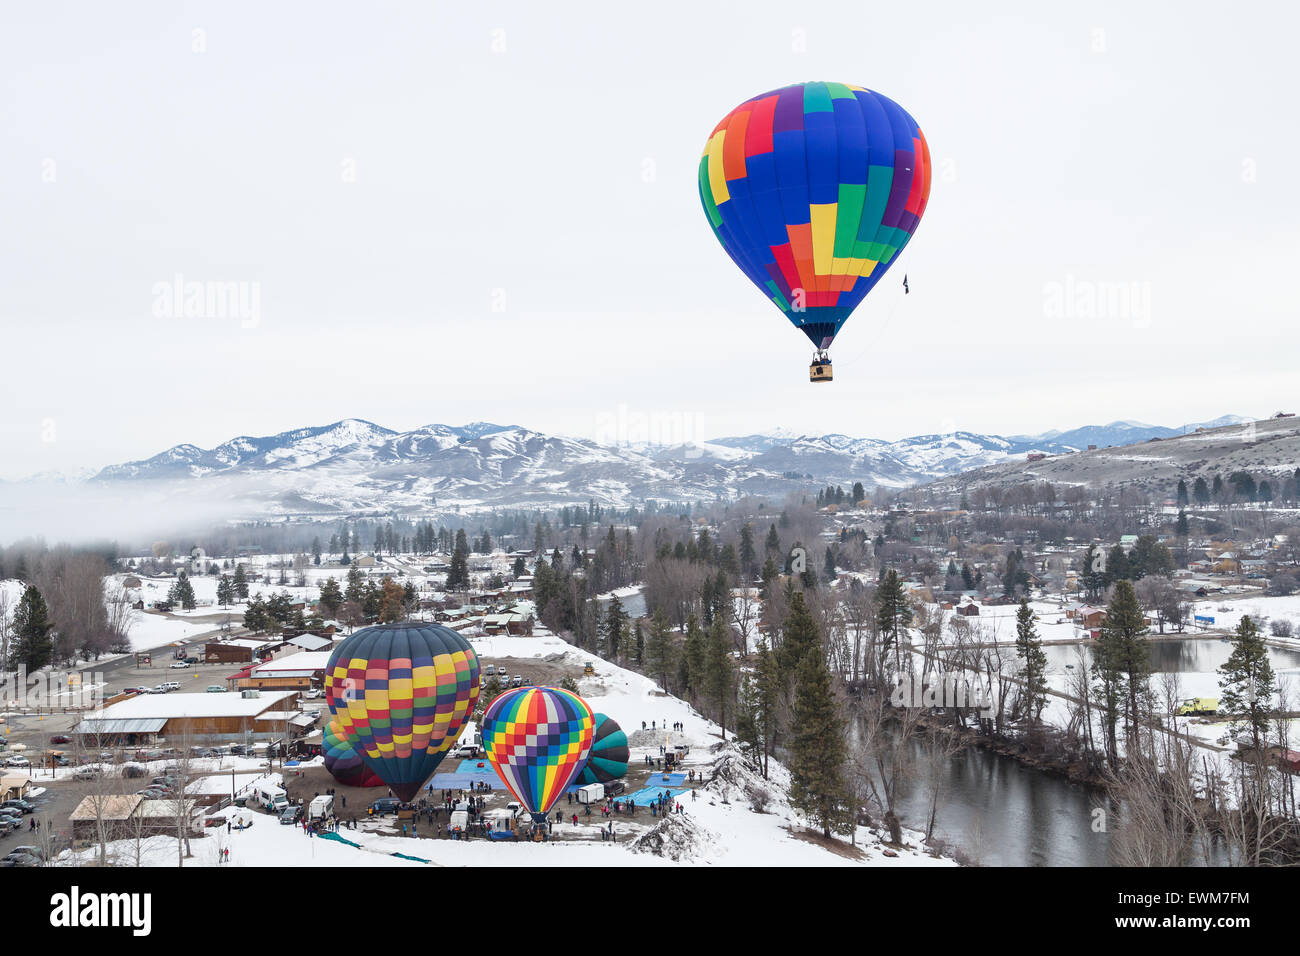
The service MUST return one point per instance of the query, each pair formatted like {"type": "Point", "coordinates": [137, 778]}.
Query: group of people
{"type": "Point", "coordinates": [677, 726]}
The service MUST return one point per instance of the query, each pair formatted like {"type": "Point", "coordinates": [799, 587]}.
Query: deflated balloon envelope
{"type": "Point", "coordinates": [400, 694]}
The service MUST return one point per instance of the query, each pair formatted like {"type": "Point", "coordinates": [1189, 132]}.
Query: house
{"type": "Point", "coordinates": [299, 671]}
{"type": "Point", "coordinates": [14, 784]}
{"type": "Point", "coordinates": [117, 815]}
{"type": "Point", "coordinates": [239, 650]}
{"type": "Point", "coordinates": [969, 610]}
{"type": "Point", "coordinates": [1090, 617]}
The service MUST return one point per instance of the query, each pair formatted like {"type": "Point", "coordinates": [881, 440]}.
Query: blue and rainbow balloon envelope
{"type": "Point", "coordinates": [814, 190]}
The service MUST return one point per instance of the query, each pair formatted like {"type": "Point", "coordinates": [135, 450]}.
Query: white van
{"type": "Point", "coordinates": [321, 807]}
{"type": "Point", "coordinates": [271, 797]}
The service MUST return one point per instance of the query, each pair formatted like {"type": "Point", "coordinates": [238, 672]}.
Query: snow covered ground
{"type": "Point", "coordinates": [737, 819]}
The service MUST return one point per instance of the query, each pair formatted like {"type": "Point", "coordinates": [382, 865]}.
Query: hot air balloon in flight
{"type": "Point", "coordinates": [609, 754]}
{"type": "Point", "coordinates": [814, 190]}
{"type": "Point", "coordinates": [343, 762]}
{"type": "Point", "coordinates": [538, 739]}
{"type": "Point", "coordinates": [401, 693]}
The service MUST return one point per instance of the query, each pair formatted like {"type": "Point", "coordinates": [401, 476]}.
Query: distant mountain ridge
{"type": "Point", "coordinates": [354, 465]}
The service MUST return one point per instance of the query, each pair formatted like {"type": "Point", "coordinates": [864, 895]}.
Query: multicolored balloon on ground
{"type": "Point", "coordinates": [400, 694]}
{"type": "Point", "coordinates": [538, 740]}
{"type": "Point", "coordinates": [343, 762]}
{"type": "Point", "coordinates": [814, 190]}
{"type": "Point", "coordinates": [608, 758]}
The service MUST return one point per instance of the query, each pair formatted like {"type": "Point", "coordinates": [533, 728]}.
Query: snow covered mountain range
{"type": "Point", "coordinates": [356, 466]}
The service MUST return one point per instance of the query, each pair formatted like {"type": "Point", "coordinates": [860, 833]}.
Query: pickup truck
{"type": "Point", "coordinates": [1198, 706]}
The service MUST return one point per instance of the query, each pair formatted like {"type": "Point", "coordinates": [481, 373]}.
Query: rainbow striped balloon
{"type": "Point", "coordinates": [538, 740]}
{"type": "Point", "coordinates": [813, 190]}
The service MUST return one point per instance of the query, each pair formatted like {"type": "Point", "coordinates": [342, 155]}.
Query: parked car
{"type": "Point", "coordinates": [133, 770]}
{"type": "Point", "coordinates": [314, 693]}
{"type": "Point", "coordinates": [385, 805]}
{"type": "Point", "coordinates": [518, 681]}
{"type": "Point", "coordinates": [528, 681]}
{"type": "Point", "coordinates": [179, 665]}
{"type": "Point", "coordinates": [9, 824]}
{"type": "Point", "coordinates": [170, 685]}
{"type": "Point", "coordinates": [88, 773]}
{"type": "Point", "coordinates": [17, 760]}
{"type": "Point", "coordinates": [60, 739]}
{"type": "Point", "coordinates": [291, 814]}
{"type": "Point", "coordinates": [490, 670]}
{"type": "Point", "coordinates": [151, 793]}
{"type": "Point", "coordinates": [614, 787]}
{"type": "Point", "coordinates": [216, 689]}
{"type": "Point", "coordinates": [17, 804]}
{"type": "Point", "coordinates": [20, 859]}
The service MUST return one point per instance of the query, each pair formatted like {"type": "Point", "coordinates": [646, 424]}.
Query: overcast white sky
{"type": "Point", "coordinates": [457, 211]}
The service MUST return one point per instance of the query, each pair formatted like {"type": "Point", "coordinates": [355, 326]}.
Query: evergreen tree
{"type": "Point", "coordinates": [659, 649]}
{"type": "Point", "coordinates": [638, 643]}
{"type": "Point", "coordinates": [331, 597]}
{"type": "Point", "coordinates": [32, 645]}
{"type": "Point", "coordinates": [1092, 575]}
{"type": "Point", "coordinates": [773, 543]}
{"type": "Point", "coordinates": [818, 751]}
{"type": "Point", "coordinates": [255, 617]}
{"type": "Point", "coordinates": [1117, 566]}
{"type": "Point", "coordinates": [719, 676]}
{"type": "Point", "coordinates": [1182, 493]}
{"type": "Point", "coordinates": [240, 580]}
{"type": "Point", "coordinates": [893, 613]}
{"type": "Point", "coordinates": [614, 629]}
{"type": "Point", "coordinates": [1200, 491]}
{"type": "Point", "coordinates": [458, 574]}
{"type": "Point", "coordinates": [1029, 648]}
{"type": "Point", "coordinates": [1124, 655]}
{"type": "Point", "coordinates": [693, 659]}
{"type": "Point", "coordinates": [800, 638]}
{"type": "Point", "coordinates": [1246, 682]}
{"type": "Point", "coordinates": [225, 591]}
{"type": "Point", "coordinates": [748, 557]}
{"type": "Point", "coordinates": [182, 592]}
